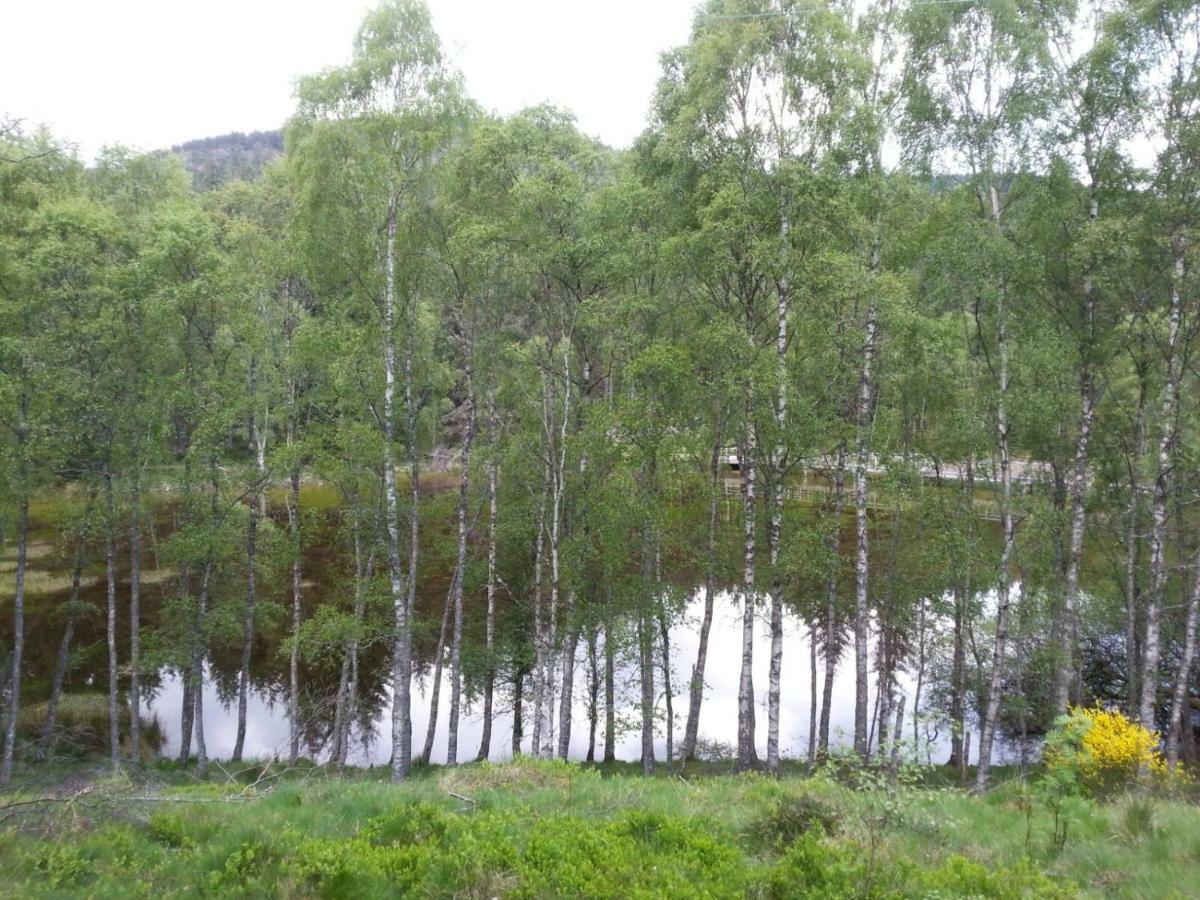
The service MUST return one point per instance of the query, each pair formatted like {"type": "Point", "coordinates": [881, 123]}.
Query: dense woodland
{"type": "Point", "coordinates": [915, 281]}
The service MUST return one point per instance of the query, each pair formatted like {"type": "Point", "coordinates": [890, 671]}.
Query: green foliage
{"type": "Point", "coordinates": [794, 815]}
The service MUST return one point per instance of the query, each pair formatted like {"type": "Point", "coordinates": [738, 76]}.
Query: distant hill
{"type": "Point", "coordinates": [213, 161]}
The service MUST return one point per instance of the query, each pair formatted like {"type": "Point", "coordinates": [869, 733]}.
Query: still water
{"type": "Point", "coordinates": [267, 725]}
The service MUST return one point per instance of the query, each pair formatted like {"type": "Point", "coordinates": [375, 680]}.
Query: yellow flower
{"type": "Point", "coordinates": [1108, 749]}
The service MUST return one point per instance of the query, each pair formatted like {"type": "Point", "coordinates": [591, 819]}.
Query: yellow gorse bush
{"type": "Point", "coordinates": [1105, 749]}
{"type": "Point", "coordinates": [1114, 742]}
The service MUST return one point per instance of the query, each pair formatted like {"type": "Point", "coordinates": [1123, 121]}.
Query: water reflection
{"type": "Point", "coordinates": [267, 726]}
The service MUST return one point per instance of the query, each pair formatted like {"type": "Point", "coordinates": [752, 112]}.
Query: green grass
{"type": "Point", "coordinates": [550, 829]}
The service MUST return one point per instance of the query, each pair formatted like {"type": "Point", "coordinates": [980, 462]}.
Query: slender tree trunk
{"type": "Point", "coordinates": [557, 485]}
{"type": "Point", "coordinates": [566, 695]}
{"type": "Point", "coordinates": [696, 689]}
{"type": "Point", "coordinates": [896, 737]}
{"type": "Point", "coordinates": [775, 524]}
{"type": "Point", "coordinates": [197, 679]}
{"type": "Point", "coordinates": [435, 689]}
{"type": "Point", "coordinates": [62, 661]}
{"type": "Point", "coordinates": [1151, 645]}
{"type": "Point", "coordinates": [1078, 497]}
{"type": "Point", "coordinates": [832, 619]}
{"type": "Point", "coordinates": [646, 660]}
{"type": "Point", "coordinates": [489, 684]}
{"type": "Point", "coordinates": [135, 618]}
{"type": "Point", "coordinates": [361, 575]}
{"type": "Point", "coordinates": [668, 694]}
{"type": "Point", "coordinates": [1133, 555]}
{"type": "Point", "coordinates": [921, 633]}
{"type": "Point", "coordinates": [646, 654]}
{"type": "Point", "coordinates": [14, 693]}
{"type": "Point", "coordinates": [247, 625]}
{"type": "Point", "coordinates": [1180, 696]}
{"type": "Point", "coordinates": [992, 709]}
{"type": "Point", "coordinates": [862, 615]}
{"type": "Point", "coordinates": [110, 576]}
{"type": "Point", "coordinates": [746, 753]}
{"type": "Point", "coordinates": [518, 729]}
{"type": "Point", "coordinates": [464, 490]}
{"type": "Point", "coordinates": [570, 617]}
{"type": "Point", "coordinates": [593, 703]}
{"type": "Point", "coordinates": [539, 633]}
{"type": "Point", "coordinates": [297, 609]}
{"type": "Point", "coordinates": [201, 625]}
{"type": "Point", "coordinates": [187, 713]}
{"type": "Point", "coordinates": [958, 672]}
{"type": "Point", "coordinates": [610, 711]}
{"type": "Point", "coordinates": [813, 702]}
{"type": "Point", "coordinates": [401, 637]}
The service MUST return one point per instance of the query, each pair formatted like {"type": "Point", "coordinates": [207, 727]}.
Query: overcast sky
{"type": "Point", "coordinates": [152, 73]}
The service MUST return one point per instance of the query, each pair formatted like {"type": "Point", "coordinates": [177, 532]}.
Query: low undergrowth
{"type": "Point", "coordinates": [533, 829]}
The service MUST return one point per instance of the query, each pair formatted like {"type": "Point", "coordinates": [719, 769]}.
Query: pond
{"type": "Point", "coordinates": [326, 572]}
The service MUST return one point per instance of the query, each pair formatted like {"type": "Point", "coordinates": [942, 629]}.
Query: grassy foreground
{"type": "Point", "coordinates": [551, 829]}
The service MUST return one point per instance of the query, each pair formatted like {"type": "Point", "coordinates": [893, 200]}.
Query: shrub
{"type": "Point", "coordinates": [1098, 751]}
{"type": "Point", "coordinates": [813, 868]}
{"type": "Point", "coordinates": [411, 823]}
{"type": "Point", "coordinates": [793, 815]}
{"type": "Point", "coordinates": [62, 865]}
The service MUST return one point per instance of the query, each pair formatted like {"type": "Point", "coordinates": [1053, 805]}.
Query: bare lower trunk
{"type": "Point", "coordinates": [539, 634]}
{"type": "Point", "coordinates": [593, 698]}
{"type": "Point", "coordinates": [14, 692]}
{"type": "Point", "coordinates": [696, 688]}
{"type": "Point", "coordinates": [813, 702]}
{"type": "Point", "coordinates": [46, 741]}
{"type": "Point", "coordinates": [746, 753]}
{"type": "Point", "coordinates": [832, 623]}
{"type": "Point", "coordinates": [110, 577]}
{"type": "Point", "coordinates": [135, 620]}
{"type": "Point", "coordinates": [247, 628]}
{"type": "Point", "coordinates": [401, 636]}
{"type": "Point", "coordinates": [439, 656]}
{"type": "Point", "coordinates": [1133, 546]}
{"type": "Point", "coordinates": [896, 737]}
{"type": "Point", "coordinates": [518, 729]}
{"type": "Point", "coordinates": [464, 489]}
{"type": "Point", "coordinates": [1065, 671]}
{"type": "Point", "coordinates": [668, 694]}
{"type": "Point", "coordinates": [862, 620]}
{"type": "Point", "coordinates": [1151, 645]}
{"type": "Point", "coordinates": [610, 712]}
{"type": "Point", "coordinates": [646, 655]}
{"type": "Point", "coordinates": [489, 684]}
{"type": "Point", "coordinates": [556, 440]}
{"type": "Point", "coordinates": [775, 661]}
{"type": "Point", "coordinates": [1180, 697]}
{"type": "Point", "coordinates": [775, 523]}
{"type": "Point", "coordinates": [198, 671]}
{"type": "Point", "coordinates": [958, 672]}
{"type": "Point", "coordinates": [566, 696]}
{"type": "Point", "coordinates": [921, 663]}
{"type": "Point", "coordinates": [200, 639]}
{"type": "Point", "coordinates": [646, 660]}
{"type": "Point", "coordinates": [187, 714]}
{"type": "Point", "coordinates": [350, 714]}
{"type": "Point", "coordinates": [297, 607]}
{"type": "Point", "coordinates": [992, 709]}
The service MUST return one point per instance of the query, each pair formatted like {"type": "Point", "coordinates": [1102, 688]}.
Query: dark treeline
{"type": "Point", "coordinates": [931, 263]}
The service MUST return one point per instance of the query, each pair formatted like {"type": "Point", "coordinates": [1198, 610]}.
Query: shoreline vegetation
{"type": "Point", "coordinates": [542, 828]}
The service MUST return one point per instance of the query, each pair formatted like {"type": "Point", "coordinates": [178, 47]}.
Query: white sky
{"type": "Point", "coordinates": [152, 73]}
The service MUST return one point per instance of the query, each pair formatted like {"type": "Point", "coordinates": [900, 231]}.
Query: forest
{"type": "Point", "coordinates": [831, 451]}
